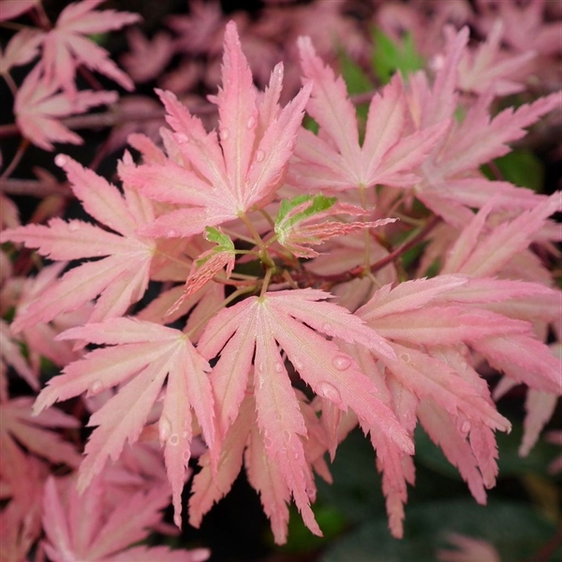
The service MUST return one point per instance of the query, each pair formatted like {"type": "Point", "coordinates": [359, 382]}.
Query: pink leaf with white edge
{"type": "Point", "coordinates": [144, 354]}
{"type": "Point", "coordinates": [540, 408]}
{"type": "Point", "coordinates": [33, 432]}
{"type": "Point", "coordinates": [441, 428]}
{"type": "Point", "coordinates": [266, 477]}
{"type": "Point", "coordinates": [120, 278]}
{"type": "Point", "coordinates": [506, 240]}
{"type": "Point", "coordinates": [409, 295]}
{"type": "Point", "coordinates": [222, 176]}
{"type": "Point", "coordinates": [111, 528]}
{"type": "Point", "coordinates": [65, 47]}
{"type": "Point", "coordinates": [209, 488]}
{"type": "Point", "coordinates": [479, 139]}
{"type": "Point", "coordinates": [39, 109]}
{"type": "Point", "coordinates": [388, 155]}
{"type": "Point", "coordinates": [294, 320]}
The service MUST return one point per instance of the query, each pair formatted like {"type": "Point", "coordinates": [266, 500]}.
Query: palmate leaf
{"type": "Point", "coordinates": [120, 277]}
{"type": "Point", "coordinates": [228, 173]}
{"type": "Point", "coordinates": [255, 329]}
{"type": "Point", "coordinates": [143, 356]}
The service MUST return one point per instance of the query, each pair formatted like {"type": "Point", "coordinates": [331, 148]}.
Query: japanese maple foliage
{"type": "Point", "coordinates": [243, 288]}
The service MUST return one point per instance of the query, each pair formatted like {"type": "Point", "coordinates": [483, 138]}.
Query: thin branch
{"type": "Point", "coordinates": [360, 269]}
{"type": "Point", "coordinates": [110, 118]}
{"type": "Point", "coordinates": [34, 188]}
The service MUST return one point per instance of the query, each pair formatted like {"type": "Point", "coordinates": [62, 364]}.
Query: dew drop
{"type": "Point", "coordinates": [73, 226]}
{"type": "Point", "coordinates": [465, 427]}
{"type": "Point", "coordinates": [299, 366]}
{"type": "Point", "coordinates": [251, 123]}
{"type": "Point", "coordinates": [96, 386]}
{"type": "Point", "coordinates": [326, 328]}
{"type": "Point", "coordinates": [329, 391]}
{"type": "Point", "coordinates": [311, 493]}
{"type": "Point", "coordinates": [278, 368]}
{"type": "Point", "coordinates": [186, 455]}
{"type": "Point", "coordinates": [174, 439]}
{"type": "Point", "coordinates": [182, 139]}
{"type": "Point", "coordinates": [165, 428]}
{"type": "Point", "coordinates": [225, 133]}
{"type": "Point", "coordinates": [341, 362]}
{"type": "Point", "coordinates": [261, 367]}
{"type": "Point", "coordinates": [260, 155]}
{"type": "Point", "coordinates": [405, 357]}
{"type": "Point", "coordinates": [437, 62]}
{"type": "Point", "coordinates": [185, 435]}
{"type": "Point", "coordinates": [172, 233]}
{"type": "Point", "coordinates": [268, 443]}
{"type": "Point", "coordinates": [60, 160]}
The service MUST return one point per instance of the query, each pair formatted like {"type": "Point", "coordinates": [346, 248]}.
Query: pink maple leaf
{"type": "Point", "coordinates": [38, 109]}
{"type": "Point", "coordinates": [120, 278]}
{"type": "Point", "coordinates": [19, 428]}
{"type": "Point", "coordinates": [87, 527]}
{"type": "Point", "coordinates": [431, 324]}
{"type": "Point", "coordinates": [143, 355]}
{"type": "Point", "coordinates": [293, 320]}
{"type": "Point", "coordinates": [335, 159]}
{"type": "Point", "coordinates": [309, 221]}
{"type": "Point", "coordinates": [219, 181]}
{"type": "Point", "coordinates": [22, 48]}
{"type": "Point", "coordinates": [451, 177]}
{"type": "Point", "coordinates": [244, 444]}
{"type": "Point", "coordinates": [487, 67]}
{"type": "Point", "coordinates": [11, 9]}
{"type": "Point", "coordinates": [65, 47]}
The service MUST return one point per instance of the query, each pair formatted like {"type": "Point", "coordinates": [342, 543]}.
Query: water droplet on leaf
{"type": "Point", "coordinates": [174, 439]}
{"type": "Point", "coordinates": [278, 368]}
{"type": "Point", "coordinates": [341, 362]}
{"type": "Point", "coordinates": [73, 226]}
{"type": "Point", "coordinates": [260, 155]}
{"type": "Point", "coordinates": [405, 357]}
{"type": "Point", "coordinates": [225, 133]}
{"type": "Point", "coordinates": [96, 386]}
{"type": "Point", "coordinates": [330, 392]}
{"type": "Point", "coordinates": [251, 123]}
{"type": "Point", "coordinates": [164, 429]}
{"type": "Point", "coordinates": [60, 160]}
{"type": "Point", "coordinates": [465, 427]}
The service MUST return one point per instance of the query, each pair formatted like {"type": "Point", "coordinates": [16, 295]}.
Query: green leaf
{"type": "Point", "coordinates": [390, 56]}
{"type": "Point", "coordinates": [522, 168]}
{"type": "Point", "coordinates": [318, 203]}
{"type": "Point", "coordinates": [516, 530]}
{"type": "Point", "coordinates": [356, 81]}
{"type": "Point", "coordinates": [222, 240]}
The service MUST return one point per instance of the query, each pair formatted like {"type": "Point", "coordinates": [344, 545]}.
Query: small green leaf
{"type": "Point", "coordinates": [515, 529]}
{"type": "Point", "coordinates": [318, 203]}
{"type": "Point", "coordinates": [356, 80]}
{"type": "Point", "coordinates": [390, 56]}
{"type": "Point", "coordinates": [223, 241]}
